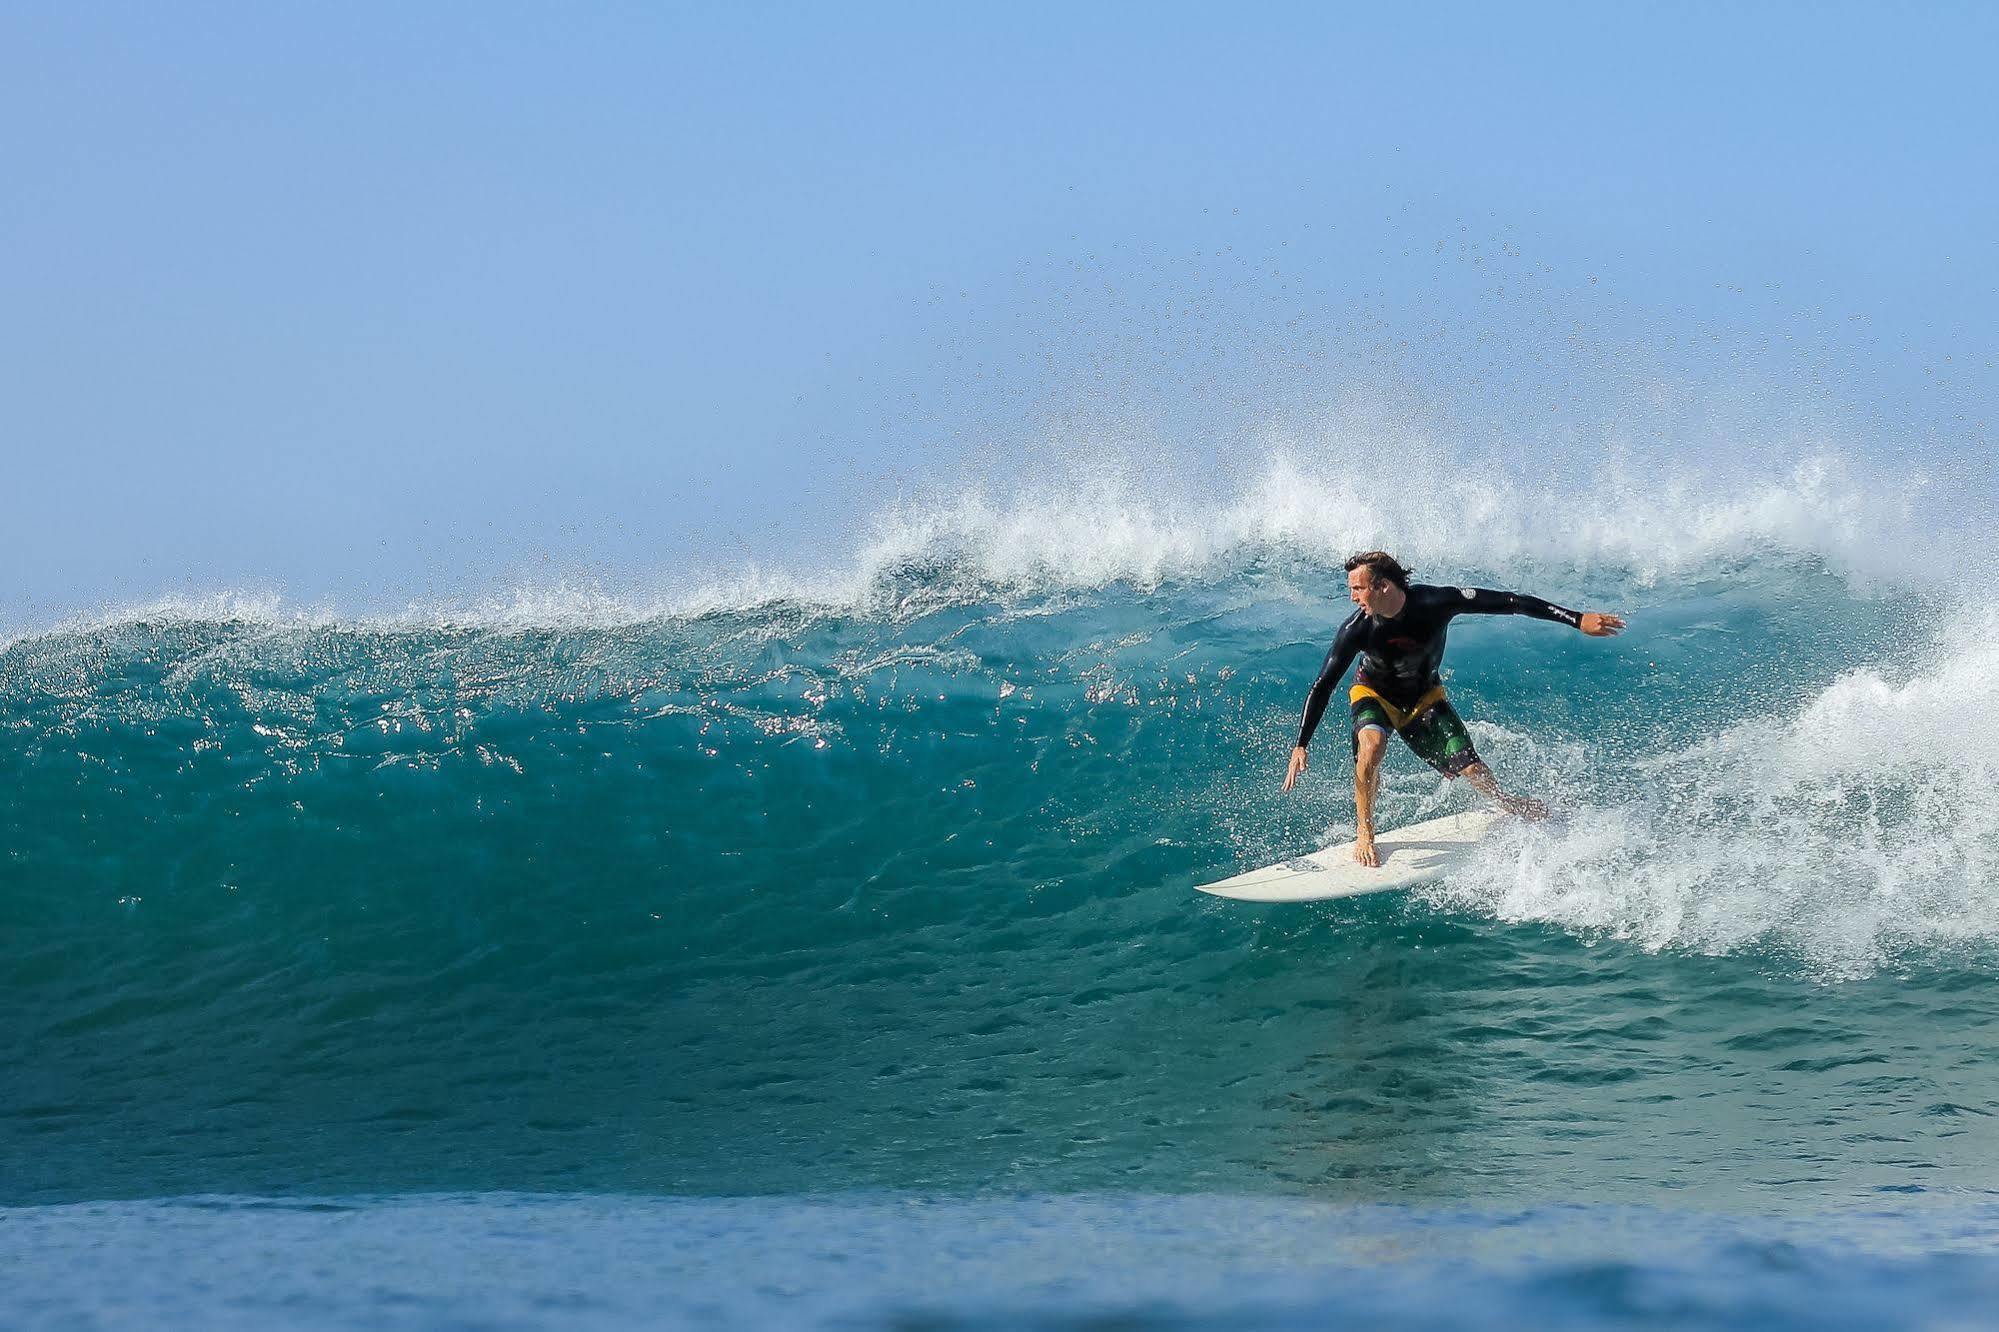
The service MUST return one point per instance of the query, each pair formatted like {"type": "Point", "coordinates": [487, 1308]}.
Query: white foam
{"type": "Point", "coordinates": [1864, 824]}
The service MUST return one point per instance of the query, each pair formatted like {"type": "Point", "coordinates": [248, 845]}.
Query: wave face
{"type": "Point", "coordinates": [889, 886]}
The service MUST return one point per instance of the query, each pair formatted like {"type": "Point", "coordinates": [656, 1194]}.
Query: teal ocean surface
{"type": "Point", "coordinates": [793, 955]}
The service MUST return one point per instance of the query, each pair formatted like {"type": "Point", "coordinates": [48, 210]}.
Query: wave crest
{"type": "Point", "coordinates": [1287, 524]}
{"type": "Point", "coordinates": [1451, 516]}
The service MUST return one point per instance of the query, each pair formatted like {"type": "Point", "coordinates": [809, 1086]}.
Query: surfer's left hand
{"type": "Point", "coordinates": [1601, 624]}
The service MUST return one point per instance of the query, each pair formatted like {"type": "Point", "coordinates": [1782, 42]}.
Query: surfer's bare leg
{"type": "Point", "coordinates": [1370, 743]}
{"type": "Point", "coordinates": [1487, 785]}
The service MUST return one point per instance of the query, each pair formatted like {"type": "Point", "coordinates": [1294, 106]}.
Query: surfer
{"type": "Point", "coordinates": [1398, 634]}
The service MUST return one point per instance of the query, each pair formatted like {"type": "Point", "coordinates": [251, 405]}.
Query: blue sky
{"type": "Point", "coordinates": [374, 302]}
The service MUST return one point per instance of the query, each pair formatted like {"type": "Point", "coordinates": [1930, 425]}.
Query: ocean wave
{"type": "Point", "coordinates": [649, 905]}
{"type": "Point", "coordinates": [1716, 807]}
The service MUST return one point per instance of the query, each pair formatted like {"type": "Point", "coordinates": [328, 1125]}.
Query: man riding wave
{"type": "Point", "coordinates": [1398, 634]}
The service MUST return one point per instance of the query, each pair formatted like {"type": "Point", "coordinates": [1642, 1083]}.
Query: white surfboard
{"type": "Point", "coordinates": [1419, 853]}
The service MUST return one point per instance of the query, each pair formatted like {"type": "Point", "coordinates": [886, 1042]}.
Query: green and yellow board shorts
{"type": "Point", "coordinates": [1430, 726]}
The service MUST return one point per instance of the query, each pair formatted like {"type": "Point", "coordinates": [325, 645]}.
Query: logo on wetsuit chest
{"type": "Point", "coordinates": [1467, 593]}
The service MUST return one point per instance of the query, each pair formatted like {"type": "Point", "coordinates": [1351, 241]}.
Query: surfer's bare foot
{"type": "Point", "coordinates": [1520, 807]}
{"type": "Point", "coordinates": [1364, 852]}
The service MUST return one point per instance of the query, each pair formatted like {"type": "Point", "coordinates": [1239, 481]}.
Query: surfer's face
{"type": "Point", "coordinates": [1367, 591]}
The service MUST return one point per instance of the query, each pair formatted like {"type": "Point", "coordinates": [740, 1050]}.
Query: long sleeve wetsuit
{"type": "Point", "coordinates": [1399, 658]}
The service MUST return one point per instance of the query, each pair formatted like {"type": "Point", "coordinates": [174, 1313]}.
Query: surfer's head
{"type": "Point", "coordinates": [1377, 582]}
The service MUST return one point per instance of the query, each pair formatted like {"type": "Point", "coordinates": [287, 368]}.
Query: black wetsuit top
{"type": "Point", "coordinates": [1399, 657]}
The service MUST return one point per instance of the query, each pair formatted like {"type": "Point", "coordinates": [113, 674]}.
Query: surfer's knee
{"type": "Point", "coordinates": [1369, 745]}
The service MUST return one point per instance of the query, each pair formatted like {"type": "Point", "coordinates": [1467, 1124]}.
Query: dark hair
{"type": "Point", "coordinates": [1380, 564]}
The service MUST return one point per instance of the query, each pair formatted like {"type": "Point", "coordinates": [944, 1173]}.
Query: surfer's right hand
{"type": "Point", "coordinates": [1298, 765]}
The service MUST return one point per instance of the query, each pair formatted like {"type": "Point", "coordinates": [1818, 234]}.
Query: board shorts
{"type": "Point", "coordinates": [1430, 726]}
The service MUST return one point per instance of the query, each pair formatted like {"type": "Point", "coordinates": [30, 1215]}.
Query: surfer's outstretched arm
{"type": "Point", "coordinates": [1485, 601]}
{"type": "Point", "coordinates": [1338, 658]}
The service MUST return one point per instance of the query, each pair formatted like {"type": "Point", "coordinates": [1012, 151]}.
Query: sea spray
{"type": "Point", "coordinates": [1850, 828]}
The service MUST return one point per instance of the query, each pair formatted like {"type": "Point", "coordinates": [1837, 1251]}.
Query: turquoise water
{"type": "Point", "coordinates": [539, 915]}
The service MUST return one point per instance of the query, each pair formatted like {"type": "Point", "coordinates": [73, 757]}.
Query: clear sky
{"type": "Point", "coordinates": [372, 301]}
